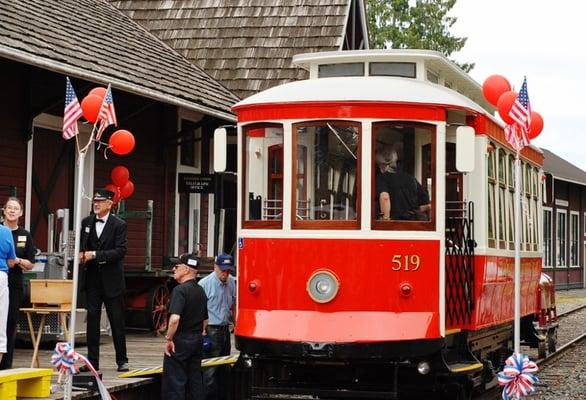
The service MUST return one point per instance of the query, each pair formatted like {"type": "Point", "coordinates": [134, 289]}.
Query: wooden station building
{"type": "Point", "coordinates": [176, 68]}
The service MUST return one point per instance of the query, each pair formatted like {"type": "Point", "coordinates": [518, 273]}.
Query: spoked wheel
{"type": "Point", "coordinates": [156, 311]}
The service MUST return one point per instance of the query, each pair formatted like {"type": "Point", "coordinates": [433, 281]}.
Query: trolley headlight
{"type": "Point", "coordinates": [322, 286]}
{"type": "Point", "coordinates": [423, 368]}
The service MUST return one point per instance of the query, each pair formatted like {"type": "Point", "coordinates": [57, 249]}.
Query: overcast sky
{"type": "Point", "coordinates": [543, 40]}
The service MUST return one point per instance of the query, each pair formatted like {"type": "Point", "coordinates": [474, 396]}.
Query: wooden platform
{"type": "Point", "coordinates": [144, 351]}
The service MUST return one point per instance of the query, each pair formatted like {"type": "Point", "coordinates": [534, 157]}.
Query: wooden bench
{"type": "Point", "coordinates": [25, 382]}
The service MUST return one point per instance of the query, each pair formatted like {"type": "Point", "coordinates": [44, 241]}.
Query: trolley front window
{"type": "Point", "coordinates": [326, 163]}
{"type": "Point", "coordinates": [263, 176]}
{"type": "Point", "coordinates": [403, 179]}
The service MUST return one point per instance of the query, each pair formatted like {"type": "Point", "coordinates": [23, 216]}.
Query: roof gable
{"type": "Point", "coordinates": [91, 39]}
{"type": "Point", "coordinates": [248, 44]}
{"type": "Point", "coordinates": [562, 169]}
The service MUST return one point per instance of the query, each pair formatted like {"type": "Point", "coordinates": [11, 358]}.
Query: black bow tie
{"type": "Point", "coordinates": [100, 220]}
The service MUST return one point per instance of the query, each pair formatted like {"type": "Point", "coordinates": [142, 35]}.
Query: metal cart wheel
{"type": "Point", "coordinates": [156, 307]}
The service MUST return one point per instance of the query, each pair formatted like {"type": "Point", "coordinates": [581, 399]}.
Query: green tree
{"type": "Point", "coordinates": [424, 24]}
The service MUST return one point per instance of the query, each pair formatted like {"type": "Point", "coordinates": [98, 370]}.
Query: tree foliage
{"type": "Point", "coordinates": [423, 24]}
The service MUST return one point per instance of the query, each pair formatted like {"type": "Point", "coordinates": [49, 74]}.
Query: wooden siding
{"type": "Point", "coordinates": [13, 145]}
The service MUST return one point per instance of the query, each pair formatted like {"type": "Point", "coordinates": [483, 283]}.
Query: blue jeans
{"type": "Point", "coordinates": [217, 379]}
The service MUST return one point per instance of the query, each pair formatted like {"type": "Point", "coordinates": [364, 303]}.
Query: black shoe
{"type": "Point", "coordinates": [123, 367]}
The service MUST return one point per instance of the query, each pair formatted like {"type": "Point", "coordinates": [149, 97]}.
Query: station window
{"type": "Point", "coordinates": [326, 164]}
{"type": "Point", "coordinates": [336, 70]}
{"type": "Point", "coordinates": [403, 179]}
{"type": "Point", "coordinates": [400, 69]}
{"type": "Point", "coordinates": [560, 248]}
{"type": "Point", "coordinates": [574, 236]}
{"type": "Point", "coordinates": [263, 176]}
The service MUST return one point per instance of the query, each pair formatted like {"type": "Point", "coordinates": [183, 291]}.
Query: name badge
{"type": "Point", "coordinates": [87, 229]}
{"type": "Point", "coordinates": [21, 239]}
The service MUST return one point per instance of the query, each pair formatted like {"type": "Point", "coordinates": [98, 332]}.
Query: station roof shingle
{"type": "Point", "coordinates": [562, 169]}
{"type": "Point", "coordinates": [246, 44]}
{"type": "Point", "coordinates": [92, 40]}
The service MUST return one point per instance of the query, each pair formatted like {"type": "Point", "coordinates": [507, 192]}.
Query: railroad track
{"type": "Point", "coordinates": [572, 311]}
{"type": "Point", "coordinates": [547, 362]}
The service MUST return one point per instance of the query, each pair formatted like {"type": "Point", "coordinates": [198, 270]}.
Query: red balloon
{"type": "Point", "coordinates": [120, 175]}
{"type": "Point", "coordinates": [493, 87]}
{"type": "Point", "coordinates": [114, 189]}
{"type": "Point", "coordinates": [121, 142]}
{"type": "Point", "coordinates": [90, 106]}
{"type": "Point", "coordinates": [127, 190]}
{"type": "Point", "coordinates": [99, 91]}
{"type": "Point", "coordinates": [505, 104]}
{"type": "Point", "coordinates": [536, 125]}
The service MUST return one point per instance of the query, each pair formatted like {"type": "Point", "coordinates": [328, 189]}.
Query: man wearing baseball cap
{"type": "Point", "coordinates": [188, 314]}
{"type": "Point", "coordinates": [220, 289]}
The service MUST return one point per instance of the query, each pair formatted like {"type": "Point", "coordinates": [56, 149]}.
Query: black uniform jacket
{"type": "Point", "coordinates": [106, 270]}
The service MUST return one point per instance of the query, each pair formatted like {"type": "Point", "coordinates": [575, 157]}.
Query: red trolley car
{"type": "Point", "coordinates": [337, 300]}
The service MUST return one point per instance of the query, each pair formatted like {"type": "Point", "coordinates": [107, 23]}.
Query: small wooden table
{"type": "Point", "coordinates": [44, 312]}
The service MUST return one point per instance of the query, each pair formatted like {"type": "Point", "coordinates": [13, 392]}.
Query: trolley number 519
{"type": "Point", "coordinates": [410, 263]}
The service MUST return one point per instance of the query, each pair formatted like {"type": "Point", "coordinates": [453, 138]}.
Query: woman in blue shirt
{"type": "Point", "coordinates": [7, 260]}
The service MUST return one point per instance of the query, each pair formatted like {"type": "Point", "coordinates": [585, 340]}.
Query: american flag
{"type": "Point", "coordinates": [516, 134]}
{"type": "Point", "coordinates": [72, 112]}
{"type": "Point", "coordinates": [107, 115]}
{"type": "Point", "coordinates": [521, 110]}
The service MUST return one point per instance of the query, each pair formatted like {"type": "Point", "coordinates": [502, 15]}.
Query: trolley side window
{"type": "Point", "coordinates": [263, 176]}
{"type": "Point", "coordinates": [403, 179]}
{"type": "Point", "coordinates": [326, 162]}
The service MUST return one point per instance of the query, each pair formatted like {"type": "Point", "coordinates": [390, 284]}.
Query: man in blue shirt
{"type": "Point", "coordinates": [7, 260]}
{"type": "Point", "coordinates": [220, 289]}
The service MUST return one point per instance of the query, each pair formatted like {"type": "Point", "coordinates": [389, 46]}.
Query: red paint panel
{"type": "Point", "coordinates": [369, 290]}
{"type": "Point", "coordinates": [495, 285]}
{"type": "Point", "coordinates": [341, 327]}
{"type": "Point", "coordinates": [340, 109]}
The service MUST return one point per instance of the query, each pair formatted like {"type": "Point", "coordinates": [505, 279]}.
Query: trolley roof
{"type": "Point", "coordinates": [434, 80]}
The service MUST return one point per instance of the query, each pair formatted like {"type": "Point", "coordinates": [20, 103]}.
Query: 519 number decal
{"type": "Point", "coordinates": [409, 263]}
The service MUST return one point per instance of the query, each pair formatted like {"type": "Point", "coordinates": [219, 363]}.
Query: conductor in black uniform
{"type": "Point", "coordinates": [188, 318]}
{"type": "Point", "coordinates": [103, 246]}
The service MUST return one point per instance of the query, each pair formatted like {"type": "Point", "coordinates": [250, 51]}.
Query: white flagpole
{"type": "Point", "coordinates": [517, 325]}
{"type": "Point", "coordinates": [77, 227]}
{"type": "Point", "coordinates": [72, 320]}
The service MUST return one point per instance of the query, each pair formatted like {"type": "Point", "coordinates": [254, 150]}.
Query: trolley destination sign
{"type": "Point", "coordinates": [196, 183]}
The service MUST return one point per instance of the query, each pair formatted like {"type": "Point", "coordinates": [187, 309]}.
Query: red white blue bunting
{"type": "Point", "coordinates": [64, 359]}
{"type": "Point", "coordinates": [517, 377]}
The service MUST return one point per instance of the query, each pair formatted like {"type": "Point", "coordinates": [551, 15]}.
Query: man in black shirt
{"type": "Point", "coordinates": [400, 195]}
{"type": "Point", "coordinates": [188, 318]}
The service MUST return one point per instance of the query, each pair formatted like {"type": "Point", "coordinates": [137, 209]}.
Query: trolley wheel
{"type": "Point", "coordinates": [542, 349]}
{"type": "Point", "coordinates": [552, 340]}
{"type": "Point", "coordinates": [156, 307]}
